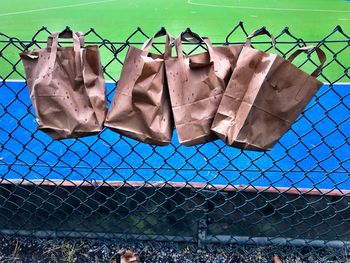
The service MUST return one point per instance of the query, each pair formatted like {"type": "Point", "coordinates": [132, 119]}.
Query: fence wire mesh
{"type": "Point", "coordinates": [109, 186]}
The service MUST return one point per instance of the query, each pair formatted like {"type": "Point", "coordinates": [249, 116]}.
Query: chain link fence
{"type": "Point", "coordinates": [109, 186]}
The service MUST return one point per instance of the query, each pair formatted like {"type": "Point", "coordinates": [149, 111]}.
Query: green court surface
{"type": "Point", "coordinates": [117, 19]}
{"type": "Point", "coordinates": [309, 19]}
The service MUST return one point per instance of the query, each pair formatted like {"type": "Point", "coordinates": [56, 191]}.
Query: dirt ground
{"type": "Point", "coordinates": [19, 249]}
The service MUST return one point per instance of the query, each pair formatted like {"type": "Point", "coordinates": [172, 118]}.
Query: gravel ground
{"type": "Point", "coordinates": [18, 250]}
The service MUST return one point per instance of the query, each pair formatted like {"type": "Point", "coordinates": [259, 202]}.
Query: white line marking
{"type": "Point", "coordinates": [270, 8]}
{"type": "Point", "coordinates": [12, 80]}
{"type": "Point", "coordinates": [55, 7]}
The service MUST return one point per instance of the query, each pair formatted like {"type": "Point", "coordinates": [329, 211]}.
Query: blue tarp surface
{"type": "Point", "coordinates": [315, 153]}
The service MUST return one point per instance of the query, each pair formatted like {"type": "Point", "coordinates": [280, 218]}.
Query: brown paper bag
{"type": "Point", "coordinates": [196, 84]}
{"type": "Point", "coordinates": [265, 95]}
{"type": "Point", "coordinates": [66, 87]}
{"type": "Point", "coordinates": [140, 108]}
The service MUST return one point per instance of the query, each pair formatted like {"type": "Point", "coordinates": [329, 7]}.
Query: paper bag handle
{"type": "Point", "coordinates": [190, 36]}
{"type": "Point", "coordinates": [53, 44]}
{"type": "Point", "coordinates": [162, 32]}
{"type": "Point", "coordinates": [259, 32]}
{"type": "Point", "coordinates": [67, 34]}
{"type": "Point", "coordinates": [195, 65]}
{"type": "Point", "coordinates": [321, 56]}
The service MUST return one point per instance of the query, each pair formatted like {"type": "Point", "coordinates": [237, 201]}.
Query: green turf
{"type": "Point", "coordinates": [115, 20]}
